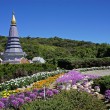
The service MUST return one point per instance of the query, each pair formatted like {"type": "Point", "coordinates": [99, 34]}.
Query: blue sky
{"type": "Point", "coordinates": [87, 20]}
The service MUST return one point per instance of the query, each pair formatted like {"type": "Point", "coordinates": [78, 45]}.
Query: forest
{"type": "Point", "coordinates": [56, 47]}
{"type": "Point", "coordinates": [57, 52]}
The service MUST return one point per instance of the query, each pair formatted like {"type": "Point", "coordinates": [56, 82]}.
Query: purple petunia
{"type": "Point", "coordinates": [55, 91]}
{"type": "Point", "coordinates": [27, 93]}
{"type": "Point", "coordinates": [35, 90]}
{"type": "Point", "coordinates": [97, 88]}
{"type": "Point", "coordinates": [107, 94]}
{"type": "Point", "coordinates": [12, 97]}
{"type": "Point", "coordinates": [27, 99]}
{"type": "Point", "coordinates": [2, 105]}
{"type": "Point", "coordinates": [5, 101]}
{"type": "Point", "coordinates": [41, 94]}
{"type": "Point", "coordinates": [20, 100]}
{"type": "Point", "coordinates": [72, 76]}
{"type": "Point", "coordinates": [32, 96]}
{"type": "Point", "coordinates": [14, 103]}
{"type": "Point", "coordinates": [21, 96]}
{"type": "Point", "coordinates": [49, 93]}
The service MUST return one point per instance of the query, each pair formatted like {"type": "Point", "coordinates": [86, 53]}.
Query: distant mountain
{"type": "Point", "coordinates": [59, 48]}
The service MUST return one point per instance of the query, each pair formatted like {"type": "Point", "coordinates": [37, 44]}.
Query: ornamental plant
{"type": "Point", "coordinates": [74, 76]}
{"type": "Point", "coordinates": [38, 85]}
{"type": "Point", "coordinates": [2, 105]}
{"type": "Point", "coordinates": [76, 80]}
{"type": "Point", "coordinates": [46, 82]}
{"type": "Point", "coordinates": [107, 95]}
{"type": "Point", "coordinates": [17, 100]}
{"type": "Point", "coordinates": [103, 83]}
{"type": "Point", "coordinates": [25, 81]}
{"type": "Point", "coordinates": [12, 71]}
{"type": "Point", "coordinates": [67, 100]}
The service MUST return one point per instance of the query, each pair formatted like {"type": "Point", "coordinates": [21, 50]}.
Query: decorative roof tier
{"type": "Point", "coordinates": [13, 44]}
{"type": "Point", "coordinates": [13, 48]}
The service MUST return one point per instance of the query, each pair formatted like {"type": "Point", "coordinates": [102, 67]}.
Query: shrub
{"type": "Point", "coordinates": [67, 100]}
{"type": "Point", "coordinates": [103, 83]}
{"type": "Point", "coordinates": [82, 63]}
{"type": "Point", "coordinates": [10, 71]}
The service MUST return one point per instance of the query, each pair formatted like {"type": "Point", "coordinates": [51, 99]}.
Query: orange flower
{"type": "Point", "coordinates": [46, 82]}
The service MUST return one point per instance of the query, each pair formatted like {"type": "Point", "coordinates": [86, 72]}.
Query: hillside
{"type": "Point", "coordinates": [60, 48]}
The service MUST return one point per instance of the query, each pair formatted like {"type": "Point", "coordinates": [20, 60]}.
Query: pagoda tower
{"type": "Point", "coordinates": [13, 50]}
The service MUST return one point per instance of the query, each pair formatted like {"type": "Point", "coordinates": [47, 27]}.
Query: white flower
{"type": "Point", "coordinates": [87, 84]}
{"type": "Point", "coordinates": [74, 87]}
{"type": "Point", "coordinates": [92, 90]}
{"type": "Point", "coordinates": [96, 93]}
{"type": "Point", "coordinates": [63, 87]}
{"type": "Point", "coordinates": [91, 82]}
{"type": "Point", "coordinates": [78, 84]}
{"type": "Point", "coordinates": [68, 88]}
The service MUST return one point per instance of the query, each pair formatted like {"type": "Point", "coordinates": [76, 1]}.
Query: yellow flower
{"type": "Point", "coordinates": [8, 94]}
{"type": "Point", "coordinates": [14, 91]}
{"type": "Point", "coordinates": [4, 96]}
{"type": "Point", "coordinates": [46, 82]}
{"type": "Point", "coordinates": [38, 85]}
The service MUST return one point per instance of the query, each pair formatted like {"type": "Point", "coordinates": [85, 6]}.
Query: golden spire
{"type": "Point", "coordinates": [13, 21]}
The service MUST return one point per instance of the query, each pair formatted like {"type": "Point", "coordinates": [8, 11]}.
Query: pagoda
{"type": "Point", "coordinates": [13, 51]}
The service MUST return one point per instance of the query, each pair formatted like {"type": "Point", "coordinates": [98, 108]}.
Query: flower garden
{"type": "Point", "coordinates": [58, 90]}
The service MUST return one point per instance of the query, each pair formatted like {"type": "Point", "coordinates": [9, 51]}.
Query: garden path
{"type": "Point", "coordinates": [98, 72]}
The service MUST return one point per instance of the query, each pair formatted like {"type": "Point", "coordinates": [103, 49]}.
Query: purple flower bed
{"type": "Point", "coordinates": [74, 77]}
{"type": "Point", "coordinates": [76, 80]}
{"type": "Point", "coordinates": [19, 99]}
{"type": "Point", "coordinates": [2, 105]}
{"type": "Point", "coordinates": [107, 95]}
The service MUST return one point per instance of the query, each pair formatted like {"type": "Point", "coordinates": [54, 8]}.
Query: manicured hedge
{"type": "Point", "coordinates": [9, 71]}
{"type": "Point", "coordinates": [103, 83]}
{"type": "Point", "coordinates": [67, 100]}
{"type": "Point", "coordinates": [82, 63]}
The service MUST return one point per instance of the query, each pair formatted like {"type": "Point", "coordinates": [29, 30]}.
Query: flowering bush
{"type": "Point", "coordinates": [38, 85]}
{"type": "Point", "coordinates": [71, 100]}
{"type": "Point", "coordinates": [76, 80]}
{"type": "Point", "coordinates": [25, 81]}
{"type": "Point", "coordinates": [2, 105]}
{"type": "Point", "coordinates": [97, 88]}
{"type": "Point", "coordinates": [103, 82]}
{"type": "Point", "coordinates": [46, 82]}
{"type": "Point", "coordinates": [19, 99]}
{"type": "Point", "coordinates": [107, 95]}
{"type": "Point", "coordinates": [67, 81]}
{"type": "Point", "coordinates": [74, 76]}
